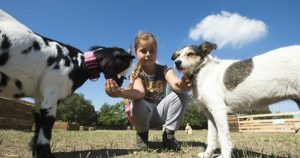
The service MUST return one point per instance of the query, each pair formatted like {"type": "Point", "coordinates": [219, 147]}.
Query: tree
{"type": "Point", "coordinates": [264, 110]}
{"type": "Point", "coordinates": [112, 117]}
{"type": "Point", "coordinates": [77, 109]}
{"type": "Point", "coordinates": [195, 116]}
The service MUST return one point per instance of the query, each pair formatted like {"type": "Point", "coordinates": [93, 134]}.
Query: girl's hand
{"type": "Point", "coordinates": [177, 84]}
{"type": "Point", "coordinates": [184, 84]}
{"type": "Point", "coordinates": [112, 89]}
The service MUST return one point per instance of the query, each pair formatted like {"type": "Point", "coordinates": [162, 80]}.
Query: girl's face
{"type": "Point", "coordinates": [146, 53]}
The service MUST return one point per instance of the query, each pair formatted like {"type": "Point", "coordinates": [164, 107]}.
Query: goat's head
{"type": "Point", "coordinates": [113, 62]}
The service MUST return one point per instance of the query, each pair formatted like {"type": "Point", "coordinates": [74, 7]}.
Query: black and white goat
{"type": "Point", "coordinates": [49, 71]}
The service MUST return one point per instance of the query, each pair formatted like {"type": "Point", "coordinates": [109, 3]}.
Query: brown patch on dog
{"type": "Point", "coordinates": [237, 73]}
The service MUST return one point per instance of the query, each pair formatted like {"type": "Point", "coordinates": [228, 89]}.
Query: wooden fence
{"type": "Point", "coordinates": [278, 122]}
{"type": "Point", "coordinates": [18, 114]}
{"type": "Point", "coordinates": [65, 126]}
{"type": "Point", "coordinates": [233, 123]}
{"type": "Point", "coordinates": [15, 114]}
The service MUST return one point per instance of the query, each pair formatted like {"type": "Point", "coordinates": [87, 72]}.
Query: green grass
{"type": "Point", "coordinates": [114, 143]}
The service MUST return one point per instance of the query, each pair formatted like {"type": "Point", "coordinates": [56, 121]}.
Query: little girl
{"type": "Point", "coordinates": [150, 106]}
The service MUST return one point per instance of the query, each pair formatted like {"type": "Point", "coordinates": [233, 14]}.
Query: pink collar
{"type": "Point", "coordinates": [92, 66]}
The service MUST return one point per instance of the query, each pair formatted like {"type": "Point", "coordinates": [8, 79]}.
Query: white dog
{"type": "Point", "coordinates": [223, 86]}
{"type": "Point", "coordinates": [188, 129]}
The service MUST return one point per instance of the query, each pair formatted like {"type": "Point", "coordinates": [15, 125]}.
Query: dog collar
{"type": "Point", "coordinates": [92, 66]}
{"type": "Point", "coordinates": [191, 77]}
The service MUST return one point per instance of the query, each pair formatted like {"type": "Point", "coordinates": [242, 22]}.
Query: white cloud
{"type": "Point", "coordinates": [228, 29]}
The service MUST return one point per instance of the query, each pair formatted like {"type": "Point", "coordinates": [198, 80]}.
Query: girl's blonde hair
{"type": "Point", "coordinates": [144, 36]}
{"type": "Point", "coordinates": [134, 74]}
{"type": "Point", "coordinates": [141, 36]}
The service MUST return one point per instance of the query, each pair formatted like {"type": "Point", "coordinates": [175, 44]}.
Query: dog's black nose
{"type": "Point", "coordinates": [178, 63]}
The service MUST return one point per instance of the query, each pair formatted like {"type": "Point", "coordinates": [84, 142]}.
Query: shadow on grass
{"type": "Point", "coordinates": [237, 153]}
{"type": "Point", "coordinates": [157, 146]}
{"type": "Point", "coordinates": [103, 153]}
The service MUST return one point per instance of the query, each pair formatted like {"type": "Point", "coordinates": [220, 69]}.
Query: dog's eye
{"type": "Point", "coordinates": [190, 54]}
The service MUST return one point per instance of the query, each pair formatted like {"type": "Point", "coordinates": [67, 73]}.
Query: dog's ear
{"type": "Point", "coordinates": [175, 55]}
{"type": "Point", "coordinates": [207, 47]}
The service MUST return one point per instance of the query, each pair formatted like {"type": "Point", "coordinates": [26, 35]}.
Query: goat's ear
{"type": "Point", "coordinates": [175, 55]}
{"type": "Point", "coordinates": [93, 48]}
{"type": "Point", "coordinates": [207, 47]}
{"type": "Point", "coordinates": [125, 55]}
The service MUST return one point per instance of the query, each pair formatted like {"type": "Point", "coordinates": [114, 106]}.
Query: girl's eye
{"type": "Point", "coordinates": [143, 51]}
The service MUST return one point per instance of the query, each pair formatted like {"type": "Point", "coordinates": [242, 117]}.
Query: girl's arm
{"type": "Point", "coordinates": [113, 90]}
{"type": "Point", "coordinates": [177, 84]}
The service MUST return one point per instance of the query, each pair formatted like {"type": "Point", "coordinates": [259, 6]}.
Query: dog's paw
{"type": "Point", "coordinates": [200, 155]}
{"type": "Point", "coordinates": [203, 155]}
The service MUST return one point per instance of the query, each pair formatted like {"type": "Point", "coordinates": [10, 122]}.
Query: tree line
{"type": "Point", "coordinates": [77, 109]}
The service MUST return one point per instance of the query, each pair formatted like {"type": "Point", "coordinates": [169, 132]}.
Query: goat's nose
{"type": "Point", "coordinates": [178, 63]}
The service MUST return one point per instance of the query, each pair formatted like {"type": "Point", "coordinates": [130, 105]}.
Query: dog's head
{"type": "Point", "coordinates": [114, 62]}
{"type": "Point", "coordinates": [190, 58]}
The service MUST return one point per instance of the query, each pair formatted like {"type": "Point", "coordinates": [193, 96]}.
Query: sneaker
{"type": "Point", "coordinates": [169, 142]}
{"type": "Point", "coordinates": [142, 140]}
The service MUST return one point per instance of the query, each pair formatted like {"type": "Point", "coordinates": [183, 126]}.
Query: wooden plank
{"type": "Point", "coordinates": [268, 127]}
{"type": "Point", "coordinates": [271, 120]}
{"type": "Point", "coordinates": [267, 123]}
{"type": "Point", "coordinates": [269, 115]}
{"type": "Point", "coordinates": [268, 131]}
{"type": "Point", "coordinates": [7, 121]}
{"type": "Point", "coordinates": [14, 109]}
{"type": "Point", "coordinates": [264, 124]}
{"type": "Point", "coordinates": [232, 118]}
{"type": "Point", "coordinates": [13, 123]}
{"type": "Point", "coordinates": [60, 125]}
{"type": "Point", "coordinates": [233, 123]}
{"type": "Point", "coordinates": [16, 104]}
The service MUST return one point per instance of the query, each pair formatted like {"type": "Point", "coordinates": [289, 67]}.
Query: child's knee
{"type": "Point", "coordinates": [140, 111]}
{"type": "Point", "coordinates": [184, 98]}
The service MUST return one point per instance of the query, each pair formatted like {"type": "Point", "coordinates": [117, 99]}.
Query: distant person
{"type": "Point", "coordinates": [150, 107]}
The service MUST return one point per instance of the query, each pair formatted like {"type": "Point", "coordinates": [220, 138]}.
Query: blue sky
{"type": "Point", "coordinates": [242, 29]}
